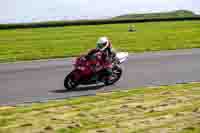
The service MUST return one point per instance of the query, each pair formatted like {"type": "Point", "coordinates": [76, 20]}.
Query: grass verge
{"type": "Point", "coordinates": [57, 42]}
{"type": "Point", "coordinates": [144, 110]}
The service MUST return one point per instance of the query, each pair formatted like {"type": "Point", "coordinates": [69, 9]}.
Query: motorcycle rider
{"type": "Point", "coordinates": [100, 58]}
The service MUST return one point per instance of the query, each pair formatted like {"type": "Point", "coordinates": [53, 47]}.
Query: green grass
{"type": "Point", "coordinates": [173, 109]}
{"type": "Point", "coordinates": [191, 130]}
{"type": "Point", "coordinates": [44, 43]}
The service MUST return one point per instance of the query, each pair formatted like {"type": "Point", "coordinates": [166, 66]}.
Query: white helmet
{"type": "Point", "coordinates": [102, 43]}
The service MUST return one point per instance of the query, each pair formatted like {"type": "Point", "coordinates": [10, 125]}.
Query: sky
{"type": "Point", "coordinates": [17, 11]}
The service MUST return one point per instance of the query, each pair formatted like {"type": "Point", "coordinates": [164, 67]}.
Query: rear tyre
{"type": "Point", "coordinates": [69, 82]}
{"type": "Point", "coordinates": [116, 75]}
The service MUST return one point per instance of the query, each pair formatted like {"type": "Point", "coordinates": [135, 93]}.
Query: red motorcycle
{"type": "Point", "coordinates": [80, 74]}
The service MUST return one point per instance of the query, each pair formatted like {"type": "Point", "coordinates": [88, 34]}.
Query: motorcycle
{"type": "Point", "coordinates": [78, 75]}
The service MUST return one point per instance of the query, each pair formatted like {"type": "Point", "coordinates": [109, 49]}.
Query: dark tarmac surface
{"type": "Point", "coordinates": [25, 82]}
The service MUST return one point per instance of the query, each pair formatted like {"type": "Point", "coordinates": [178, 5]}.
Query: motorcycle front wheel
{"type": "Point", "coordinates": [69, 81]}
{"type": "Point", "coordinates": [116, 75]}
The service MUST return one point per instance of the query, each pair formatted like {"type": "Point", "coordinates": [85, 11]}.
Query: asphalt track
{"type": "Point", "coordinates": [25, 82]}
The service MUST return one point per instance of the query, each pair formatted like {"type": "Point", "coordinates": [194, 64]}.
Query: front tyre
{"type": "Point", "coordinates": [116, 75]}
{"type": "Point", "coordinates": [69, 82]}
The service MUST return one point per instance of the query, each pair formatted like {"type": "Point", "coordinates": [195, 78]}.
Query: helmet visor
{"type": "Point", "coordinates": [101, 45]}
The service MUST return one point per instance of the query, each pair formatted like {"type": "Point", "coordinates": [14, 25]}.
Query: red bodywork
{"type": "Point", "coordinates": [84, 67]}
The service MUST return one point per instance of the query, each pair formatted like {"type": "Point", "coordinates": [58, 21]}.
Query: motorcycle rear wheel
{"type": "Point", "coordinates": [69, 82]}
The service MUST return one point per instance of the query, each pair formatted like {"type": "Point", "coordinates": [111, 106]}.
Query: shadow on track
{"type": "Point", "coordinates": [82, 88]}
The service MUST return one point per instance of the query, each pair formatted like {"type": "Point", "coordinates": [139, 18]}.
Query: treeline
{"type": "Point", "coordinates": [90, 22]}
{"type": "Point", "coordinates": [172, 14]}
